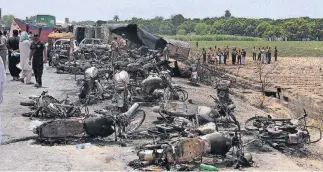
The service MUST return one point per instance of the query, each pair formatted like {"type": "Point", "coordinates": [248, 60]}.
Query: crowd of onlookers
{"type": "Point", "coordinates": [23, 54]}
{"type": "Point", "coordinates": [238, 56]}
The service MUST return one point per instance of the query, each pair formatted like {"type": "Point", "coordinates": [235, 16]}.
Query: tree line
{"type": "Point", "coordinates": [294, 29]}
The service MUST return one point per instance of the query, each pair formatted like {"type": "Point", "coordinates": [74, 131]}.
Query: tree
{"type": "Point", "coordinates": [202, 29]}
{"type": "Point", "coordinates": [7, 19]}
{"type": "Point", "coordinates": [177, 20]}
{"type": "Point", "coordinates": [187, 26]}
{"type": "Point", "coordinates": [116, 18]}
{"type": "Point", "coordinates": [227, 14]}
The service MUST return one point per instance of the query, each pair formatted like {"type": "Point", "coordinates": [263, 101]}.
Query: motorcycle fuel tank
{"type": "Point", "coordinates": [91, 72]}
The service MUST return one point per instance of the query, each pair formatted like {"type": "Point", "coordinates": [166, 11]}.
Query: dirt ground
{"type": "Point", "coordinates": [109, 155]}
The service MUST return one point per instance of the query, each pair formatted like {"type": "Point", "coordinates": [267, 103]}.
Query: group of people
{"type": "Point", "coordinates": [238, 56]}
{"type": "Point", "coordinates": [25, 54]}
{"type": "Point", "coordinates": [264, 54]}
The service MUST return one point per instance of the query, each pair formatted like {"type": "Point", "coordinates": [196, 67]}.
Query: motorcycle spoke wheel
{"type": "Point", "coordinates": [136, 121]}
{"type": "Point", "coordinates": [45, 101]}
{"type": "Point", "coordinates": [250, 123]}
{"type": "Point", "coordinates": [183, 95]}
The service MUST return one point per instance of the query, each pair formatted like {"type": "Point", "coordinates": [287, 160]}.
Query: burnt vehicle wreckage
{"type": "Point", "coordinates": [179, 140]}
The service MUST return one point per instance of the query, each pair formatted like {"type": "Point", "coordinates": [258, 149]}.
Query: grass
{"type": "Point", "coordinates": [285, 49]}
{"type": "Point", "coordinates": [212, 38]}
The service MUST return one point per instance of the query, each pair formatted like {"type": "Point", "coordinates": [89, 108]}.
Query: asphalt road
{"type": "Point", "coordinates": [108, 155]}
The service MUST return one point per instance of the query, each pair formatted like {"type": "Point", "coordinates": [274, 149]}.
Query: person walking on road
{"type": "Point", "coordinates": [2, 82]}
{"type": "Point", "coordinates": [14, 58]}
{"type": "Point", "coordinates": [3, 49]}
{"type": "Point", "coordinates": [37, 60]}
{"type": "Point", "coordinates": [24, 47]}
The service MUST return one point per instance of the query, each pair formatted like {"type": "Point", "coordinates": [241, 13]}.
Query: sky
{"type": "Point", "coordinates": [80, 10]}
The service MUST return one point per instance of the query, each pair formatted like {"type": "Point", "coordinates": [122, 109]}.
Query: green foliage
{"type": "Point", "coordinates": [7, 19]}
{"type": "Point", "coordinates": [294, 29]}
{"type": "Point", "coordinates": [285, 48]}
{"type": "Point", "coordinates": [212, 37]}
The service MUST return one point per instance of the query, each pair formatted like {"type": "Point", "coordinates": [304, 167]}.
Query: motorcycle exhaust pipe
{"type": "Point", "coordinates": [132, 110]}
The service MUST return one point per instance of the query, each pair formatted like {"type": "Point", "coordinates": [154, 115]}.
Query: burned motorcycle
{"type": "Point", "coordinates": [91, 89]}
{"type": "Point", "coordinates": [39, 105]}
{"type": "Point", "coordinates": [282, 133]}
{"type": "Point", "coordinates": [100, 126]}
{"type": "Point", "coordinates": [187, 150]}
{"type": "Point", "coordinates": [121, 95]}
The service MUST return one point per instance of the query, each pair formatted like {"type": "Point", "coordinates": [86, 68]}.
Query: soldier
{"type": "Point", "coordinates": [123, 45]}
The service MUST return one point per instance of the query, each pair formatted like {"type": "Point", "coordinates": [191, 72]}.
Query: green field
{"type": "Point", "coordinates": [285, 49]}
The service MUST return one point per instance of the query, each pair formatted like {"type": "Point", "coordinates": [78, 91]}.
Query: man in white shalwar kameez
{"type": "Point", "coordinates": [24, 47]}
{"type": "Point", "coordinates": [2, 81]}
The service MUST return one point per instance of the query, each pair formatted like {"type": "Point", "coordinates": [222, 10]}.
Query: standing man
{"type": "Point", "coordinates": [269, 55]}
{"type": "Point", "coordinates": [276, 53]}
{"type": "Point", "coordinates": [114, 47]}
{"type": "Point", "coordinates": [204, 55]}
{"type": "Point", "coordinates": [226, 55]}
{"type": "Point", "coordinates": [36, 58]}
{"type": "Point", "coordinates": [234, 56]}
{"type": "Point", "coordinates": [197, 44]}
{"type": "Point", "coordinates": [3, 49]}
{"type": "Point", "coordinates": [13, 57]}
{"type": "Point", "coordinates": [243, 56]}
{"type": "Point", "coordinates": [166, 53]}
{"type": "Point", "coordinates": [254, 54]}
{"type": "Point", "coordinates": [123, 45]}
{"type": "Point", "coordinates": [220, 54]}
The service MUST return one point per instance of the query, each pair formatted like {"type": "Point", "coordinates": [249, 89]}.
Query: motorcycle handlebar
{"type": "Point", "coordinates": [304, 116]}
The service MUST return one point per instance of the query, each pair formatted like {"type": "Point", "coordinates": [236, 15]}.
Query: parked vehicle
{"type": "Point", "coordinates": [93, 43]}
{"type": "Point", "coordinates": [283, 133]}
{"type": "Point", "coordinates": [102, 125]}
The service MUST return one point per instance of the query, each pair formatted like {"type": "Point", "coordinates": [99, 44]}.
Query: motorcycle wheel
{"type": "Point", "coordinates": [183, 95]}
{"type": "Point", "coordinates": [136, 121]}
{"type": "Point", "coordinates": [27, 103]}
{"type": "Point", "coordinates": [45, 101]}
{"type": "Point", "coordinates": [249, 124]}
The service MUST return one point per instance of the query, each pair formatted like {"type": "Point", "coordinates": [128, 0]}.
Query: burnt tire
{"type": "Point", "coordinates": [27, 103]}
{"type": "Point", "coordinates": [139, 116]}
{"type": "Point", "coordinates": [45, 101]}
